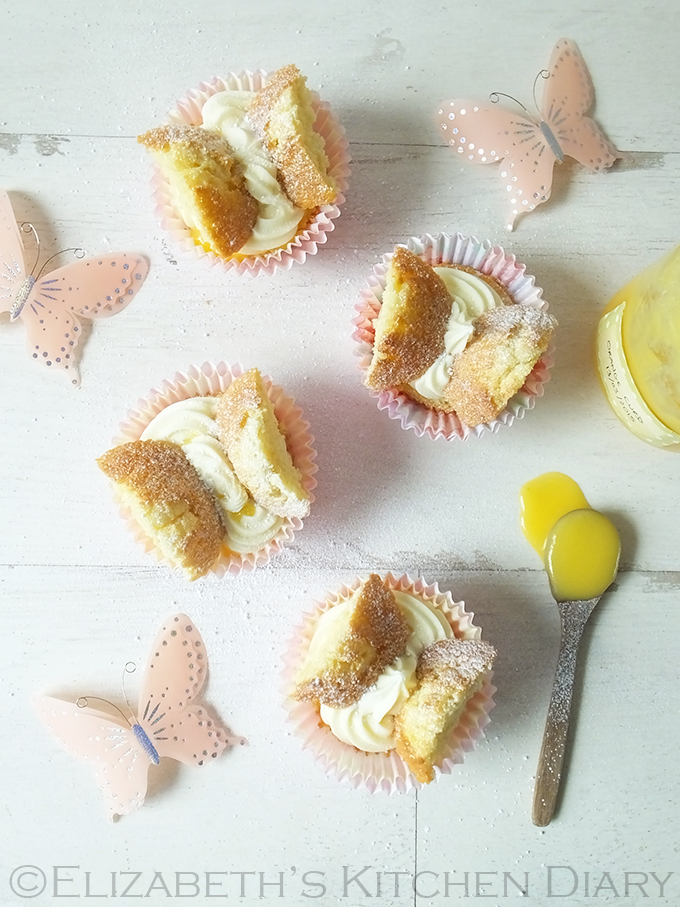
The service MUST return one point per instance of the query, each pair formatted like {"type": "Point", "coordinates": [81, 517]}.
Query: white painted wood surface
{"type": "Point", "coordinates": [78, 82]}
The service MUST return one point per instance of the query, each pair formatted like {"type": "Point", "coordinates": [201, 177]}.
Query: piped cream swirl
{"type": "Point", "coordinates": [225, 112]}
{"type": "Point", "coordinates": [368, 724]}
{"type": "Point", "coordinates": [251, 528]}
{"type": "Point", "coordinates": [191, 424]}
{"type": "Point", "coordinates": [470, 297]}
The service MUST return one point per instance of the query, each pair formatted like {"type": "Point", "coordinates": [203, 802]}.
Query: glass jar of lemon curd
{"type": "Point", "coordinates": [638, 353]}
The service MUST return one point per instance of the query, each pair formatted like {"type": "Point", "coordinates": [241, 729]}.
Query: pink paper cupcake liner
{"type": "Point", "coordinates": [384, 772]}
{"type": "Point", "coordinates": [189, 112]}
{"type": "Point", "coordinates": [205, 380]}
{"type": "Point", "coordinates": [436, 249]}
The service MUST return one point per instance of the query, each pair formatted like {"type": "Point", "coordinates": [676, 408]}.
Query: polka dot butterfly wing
{"type": "Point", "coordinates": [52, 306]}
{"type": "Point", "coordinates": [529, 149]}
{"type": "Point", "coordinates": [168, 723]}
{"type": "Point", "coordinates": [168, 714]}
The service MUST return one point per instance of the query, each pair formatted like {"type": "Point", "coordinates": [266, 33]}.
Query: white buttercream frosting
{"type": "Point", "coordinates": [191, 424]}
{"type": "Point", "coordinates": [225, 112]}
{"type": "Point", "coordinates": [368, 724]}
{"type": "Point", "coordinates": [251, 528]}
{"type": "Point", "coordinates": [471, 296]}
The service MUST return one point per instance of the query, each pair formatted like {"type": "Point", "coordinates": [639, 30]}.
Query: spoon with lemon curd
{"type": "Point", "coordinates": [580, 549]}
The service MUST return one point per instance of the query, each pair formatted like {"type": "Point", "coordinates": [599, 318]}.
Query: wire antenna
{"type": "Point", "coordinates": [27, 227]}
{"type": "Point", "coordinates": [79, 253]}
{"type": "Point", "coordinates": [496, 95]}
{"type": "Point", "coordinates": [84, 701]}
{"type": "Point", "coordinates": [543, 74]}
{"type": "Point", "coordinates": [129, 668]}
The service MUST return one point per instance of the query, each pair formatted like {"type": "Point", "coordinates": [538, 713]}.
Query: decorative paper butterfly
{"type": "Point", "coordinates": [51, 306]}
{"type": "Point", "coordinates": [168, 721]}
{"type": "Point", "coordinates": [530, 148]}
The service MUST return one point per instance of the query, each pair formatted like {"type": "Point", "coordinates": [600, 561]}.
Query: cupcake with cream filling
{"type": "Point", "coordinates": [453, 336]}
{"type": "Point", "coordinates": [256, 511]}
{"type": "Point", "coordinates": [362, 656]}
{"type": "Point", "coordinates": [284, 163]}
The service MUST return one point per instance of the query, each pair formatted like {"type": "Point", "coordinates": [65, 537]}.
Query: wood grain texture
{"type": "Point", "coordinates": [78, 82]}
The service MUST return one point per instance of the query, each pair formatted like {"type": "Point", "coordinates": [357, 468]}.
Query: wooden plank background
{"type": "Point", "coordinates": [78, 82]}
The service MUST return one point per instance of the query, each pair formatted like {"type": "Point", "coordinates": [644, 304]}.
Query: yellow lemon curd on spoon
{"type": "Point", "coordinates": [582, 555]}
{"type": "Point", "coordinates": [579, 546]}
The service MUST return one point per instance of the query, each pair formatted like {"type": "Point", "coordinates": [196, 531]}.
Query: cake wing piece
{"type": "Point", "coordinates": [250, 433]}
{"type": "Point", "coordinates": [361, 636]}
{"type": "Point", "coordinates": [207, 185]}
{"type": "Point", "coordinates": [506, 344]}
{"type": "Point", "coordinates": [449, 673]}
{"type": "Point", "coordinates": [283, 116]}
{"type": "Point", "coordinates": [411, 324]}
{"type": "Point", "coordinates": [167, 498]}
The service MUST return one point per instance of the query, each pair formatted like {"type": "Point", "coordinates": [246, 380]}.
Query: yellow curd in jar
{"type": "Point", "coordinates": [579, 546]}
{"type": "Point", "coordinates": [638, 353]}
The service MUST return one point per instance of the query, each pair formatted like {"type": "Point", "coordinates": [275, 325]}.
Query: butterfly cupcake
{"type": "Point", "coordinates": [388, 683]}
{"type": "Point", "coordinates": [214, 471]}
{"type": "Point", "coordinates": [453, 336]}
{"type": "Point", "coordinates": [251, 171]}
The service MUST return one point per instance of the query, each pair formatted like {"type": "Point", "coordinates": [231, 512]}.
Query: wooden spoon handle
{"type": "Point", "coordinates": [574, 616]}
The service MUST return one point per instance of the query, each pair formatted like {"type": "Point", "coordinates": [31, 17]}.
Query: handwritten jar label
{"type": "Point", "coordinates": [620, 388]}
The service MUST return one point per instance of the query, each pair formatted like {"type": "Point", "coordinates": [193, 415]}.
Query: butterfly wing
{"type": "Point", "coordinates": [486, 133]}
{"type": "Point", "coordinates": [110, 748]}
{"type": "Point", "coordinates": [175, 724]}
{"type": "Point", "coordinates": [567, 96]}
{"type": "Point", "coordinates": [92, 288]}
{"type": "Point", "coordinates": [12, 266]}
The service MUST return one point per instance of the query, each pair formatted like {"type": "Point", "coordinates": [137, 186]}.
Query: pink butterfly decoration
{"type": "Point", "coordinates": [51, 306]}
{"type": "Point", "coordinates": [530, 148]}
{"type": "Point", "coordinates": [168, 723]}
